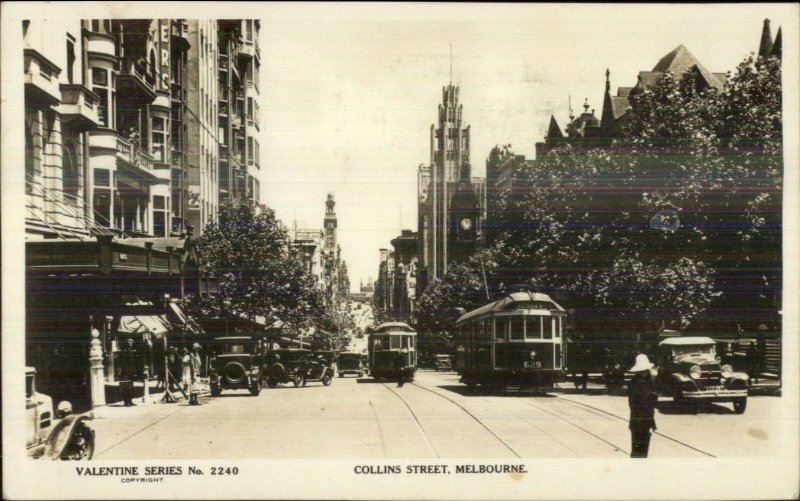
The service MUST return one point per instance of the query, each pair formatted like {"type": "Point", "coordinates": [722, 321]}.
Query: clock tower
{"type": "Point", "coordinates": [330, 223]}
{"type": "Point", "coordinates": [464, 212]}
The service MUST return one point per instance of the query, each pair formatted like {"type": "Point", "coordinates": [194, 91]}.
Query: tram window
{"type": "Point", "coordinates": [518, 328]}
{"type": "Point", "coordinates": [395, 342]}
{"type": "Point", "coordinates": [548, 327]}
{"type": "Point", "coordinates": [500, 328]}
{"type": "Point", "coordinates": [533, 328]}
{"type": "Point", "coordinates": [558, 327]}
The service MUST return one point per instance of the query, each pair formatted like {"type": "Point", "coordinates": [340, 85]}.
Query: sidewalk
{"type": "Point", "coordinates": [118, 409]}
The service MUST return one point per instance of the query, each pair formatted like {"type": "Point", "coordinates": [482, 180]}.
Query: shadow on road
{"type": "Point", "coordinates": [669, 408]}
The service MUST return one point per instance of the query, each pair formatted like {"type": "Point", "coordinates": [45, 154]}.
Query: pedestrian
{"type": "Point", "coordinates": [128, 372]}
{"type": "Point", "coordinates": [186, 370]}
{"type": "Point", "coordinates": [642, 401]}
{"type": "Point", "coordinates": [753, 361]}
{"type": "Point", "coordinates": [400, 365]}
{"type": "Point", "coordinates": [174, 367]}
{"type": "Point", "coordinates": [196, 364]}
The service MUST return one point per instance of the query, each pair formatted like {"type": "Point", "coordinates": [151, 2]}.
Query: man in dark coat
{"type": "Point", "coordinates": [642, 401]}
{"type": "Point", "coordinates": [128, 372]}
{"type": "Point", "coordinates": [400, 365]}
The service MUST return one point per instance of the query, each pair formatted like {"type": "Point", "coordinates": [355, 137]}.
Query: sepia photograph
{"type": "Point", "coordinates": [400, 251]}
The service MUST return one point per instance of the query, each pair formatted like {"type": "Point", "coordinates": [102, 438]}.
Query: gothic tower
{"type": "Point", "coordinates": [330, 223]}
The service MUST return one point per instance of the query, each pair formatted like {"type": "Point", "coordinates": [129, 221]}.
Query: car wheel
{"type": "Point", "coordinates": [272, 382]}
{"type": "Point", "coordinates": [215, 390]}
{"type": "Point", "coordinates": [326, 379]}
{"type": "Point", "coordinates": [80, 445]}
{"type": "Point", "coordinates": [739, 405]}
{"type": "Point", "coordinates": [255, 388]}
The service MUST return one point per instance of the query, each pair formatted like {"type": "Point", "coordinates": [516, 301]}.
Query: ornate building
{"type": "Point", "coordinates": [450, 200]}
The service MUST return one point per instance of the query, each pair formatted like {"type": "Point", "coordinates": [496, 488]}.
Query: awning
{"type": "Point", "coordinates": [155, 325]}
{"type": "Point", "coordinates": [185, 320]}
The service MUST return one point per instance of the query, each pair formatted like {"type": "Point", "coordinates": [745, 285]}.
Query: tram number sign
{"type": "Point", "coordinates": [533, 364]}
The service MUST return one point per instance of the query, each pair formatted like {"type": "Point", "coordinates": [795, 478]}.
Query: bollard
{"type": "Point", "coordinates": [96, 379]}
{"type": "Point", "coordinates": [146, 383]}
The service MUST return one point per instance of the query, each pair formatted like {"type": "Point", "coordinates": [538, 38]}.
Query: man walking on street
{"type": "Point", "coordinates": [400, 365]}
{"type": "Point", "coordinates": [128, 372]}
{"type": "Point", "coordinates": [642, 400]}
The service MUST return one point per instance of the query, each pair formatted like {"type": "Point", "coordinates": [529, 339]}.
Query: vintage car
{"type": "Point", "coordinates": [350, 363]}
{"type": "Point", "coordinates": [281, 366]}
{"type": "Point", "coordinates": [689, 370]}
{"type": "Point", "coordinates": [64, 435]}
{"type": "Point", "coordinates": [443, 362]}
{"type": "Point", "coordinates": [318, 367]}
{"type": "Point", "coordinates": [235, 365]}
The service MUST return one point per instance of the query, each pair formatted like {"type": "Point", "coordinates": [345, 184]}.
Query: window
{"type": "Point", "coordinates": [70, 60]}
{"type": "Point", "coordinates": [249, 30]}
{"type": "Point", "coordinates": [249, 150]}
{"type": "Point", "coordinates": [517, 328]}
{"type": "Point", "coordinates": [395, 342]}
{"type": "Point", "coordinates": [500, 328]}
{"type": "Point", "coordinates": [548, 327]}
{"type": "Point", "coordinates": [101, 177]}
{"type": "Point", "coordinates": [250, 109]}
{"type": "Point", "coordinates": [160, 210]}
{"type": "Point", "coordinates": [159, 140]}
{"type": "Point", "coordinates": [101, 88]}
{"type": "Point", "coordinates": [533, 327]}
{"type": "Point", "coordinates": [102, 208]}
{"type": "Point", "coordinates": [71, 162]}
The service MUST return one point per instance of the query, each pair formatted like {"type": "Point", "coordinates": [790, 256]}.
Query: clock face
{"type": "Point", "coordinates": [466, 223]}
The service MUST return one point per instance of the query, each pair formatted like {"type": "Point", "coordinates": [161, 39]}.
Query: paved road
{"type": "Point", "coordinates": [435, 417]}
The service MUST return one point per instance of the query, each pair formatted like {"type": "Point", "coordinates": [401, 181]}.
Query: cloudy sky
{"type": "Point", "coordinates": [349, 91]}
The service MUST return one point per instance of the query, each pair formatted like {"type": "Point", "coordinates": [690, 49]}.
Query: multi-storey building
{"type": "Point", "coordinates": [121, 156]}
{"type": "Point", "coordinates": [500, 168]}
{"type": "Point", "coordinates": [450, 199]}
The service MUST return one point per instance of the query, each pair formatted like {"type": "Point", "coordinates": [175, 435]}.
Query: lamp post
{"type": "Point", "coordinates": [227, 304]}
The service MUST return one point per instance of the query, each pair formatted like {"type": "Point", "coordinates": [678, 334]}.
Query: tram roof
{"type": "Point", "coordinates": [509, 302]}
{"type": "Point", "coordinates": [394, 327]}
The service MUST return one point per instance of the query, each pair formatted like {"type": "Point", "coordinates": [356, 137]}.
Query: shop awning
{"type": "Point", "coordinates": [156, 326]}
{"type": "Point", "coordinates": [185, 320]}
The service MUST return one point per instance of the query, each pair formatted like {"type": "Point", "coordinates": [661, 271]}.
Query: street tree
{"type": "Point", "coordinates": [247, 251]}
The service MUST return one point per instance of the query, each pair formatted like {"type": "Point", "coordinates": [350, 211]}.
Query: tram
{"type": "Point", "coordinates": [515, 341]}
{"type": "Point", "coordinates": [384, 344]}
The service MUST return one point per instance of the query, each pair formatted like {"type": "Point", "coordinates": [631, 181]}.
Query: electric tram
{"type": "Point", "coordinates": [515, 341]}
{"type": "Point", "coordinates": [384, 344]}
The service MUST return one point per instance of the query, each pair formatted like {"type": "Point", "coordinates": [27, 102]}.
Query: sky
{"type": "Point", "coordinates": [349, 91]}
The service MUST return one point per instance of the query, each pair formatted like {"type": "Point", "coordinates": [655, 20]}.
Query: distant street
{"type": "Point", "coordinates": [435, 417]}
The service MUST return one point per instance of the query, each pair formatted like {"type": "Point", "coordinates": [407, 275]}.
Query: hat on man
{"type": "Point", "coordinates": [196, 346]}
{"type": "Point", "coordinates": [642, 363]}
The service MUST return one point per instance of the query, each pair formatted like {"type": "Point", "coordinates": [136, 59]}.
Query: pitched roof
{"type": "Point", "coordinates": [678, 61]}
{"type": "Point", "coordinates": [553, 130]}
{"type": "Point", "coordinates": [619, 105]}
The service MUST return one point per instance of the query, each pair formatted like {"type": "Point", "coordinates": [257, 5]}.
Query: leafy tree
{"type": "Point", "coordinates": [248, 253]}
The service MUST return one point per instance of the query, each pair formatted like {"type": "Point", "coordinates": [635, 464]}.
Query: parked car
{"type": "Point", "coordinates": [63, 435]}
{"type": "Point", "coordinates": [443, 362]}
{"type": "Point", "coordinates": [689, 370]}
{"type": "Point", "coordinates": [281, 366]}
{"type": "Point", "coordinates": [350, 363]}
{"type": "Point", "coordinates": [235, 365]}
{"type": "Point", "coordinates": [318, 367]}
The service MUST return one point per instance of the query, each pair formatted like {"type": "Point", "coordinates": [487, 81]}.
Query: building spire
{"type": "Point", "coordinates": [777, 45]}
{"type": "Point", "coordinates": [571, 114]}
{"type": "Point", "coordinates": [451, 63]}
{"type": "Point", "coordinates": [765, 48]}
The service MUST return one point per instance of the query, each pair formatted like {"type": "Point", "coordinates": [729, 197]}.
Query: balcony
{"type": "Point", "coordinates": [178, 92]}
{"type": "Point", "coordinates": [247, 50]}
{"type": "Point", "coordinates": [41, 79]}
{"type": "Point", "coordinates": [180, 36]}
{"type": "Point", "coordinates": [79, 107]}
{"type": "Point", "coordinates": [223, 62]}
{"type": "Point", "coordinates": [134, 86]}
{"type": "Point", "coordinates": [133, 156]}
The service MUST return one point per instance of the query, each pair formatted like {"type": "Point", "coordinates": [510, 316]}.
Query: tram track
{"type": "Point", "coordinates": [622, 418]}
{"type": "Point", "coordinates": [416, 420]}
{"type": "Point", "coordinates": [614, 446]}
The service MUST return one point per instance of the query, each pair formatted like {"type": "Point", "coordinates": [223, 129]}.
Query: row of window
{"type": "Point", "coordinates": [395, 342]}
{"type": "Point", "coordinates": [513, 328]}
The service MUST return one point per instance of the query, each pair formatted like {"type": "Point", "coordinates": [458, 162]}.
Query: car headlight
{"type": "Point", "coordinates": [533, 354]}
{"type": "Point", "coordinates": [694, 372]}
{"type": "Point", "coordinates": [726, 371]}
